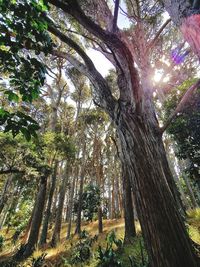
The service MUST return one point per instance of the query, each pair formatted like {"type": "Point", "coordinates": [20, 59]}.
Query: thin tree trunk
{"type": "Point", "coordinates": [57, 228]}
{"type": "Point", "coordinates": [71, 206]}
{"type": "Point", "coordinates": [100, 220]}
{"type": "Point", "coordinates": [4, 193]}
{"type": "Point", "coordinates": [82, 174]}
{"type": "Point", "coordinates": [43, 238]}
{"type": "Point", "coordinates": [190, 191]}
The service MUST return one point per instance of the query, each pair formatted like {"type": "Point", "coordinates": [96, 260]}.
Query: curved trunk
{"type": "Point", "coordinates": [143, 153]}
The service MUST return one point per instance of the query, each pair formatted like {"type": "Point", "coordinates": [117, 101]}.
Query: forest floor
{"type": "Point", "coordinates": [67, 253]}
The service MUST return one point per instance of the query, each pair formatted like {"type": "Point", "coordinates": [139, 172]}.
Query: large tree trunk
{"type": "Point", "coordinates": [43, 237]}
{"type": "Point", "coordinates": [166, 239]}
{"type": "Point", "coordinates": [130, 231]}
{"type": "Point", "coordinates": [36, 220]}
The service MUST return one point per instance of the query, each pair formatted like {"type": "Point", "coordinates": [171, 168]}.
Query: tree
{"type": "Point", "coordinates": [184, 129]}
{"type": "Point", "coordinates": [140, 137]}
{"type": "Point", "coordinates": [133, 115]}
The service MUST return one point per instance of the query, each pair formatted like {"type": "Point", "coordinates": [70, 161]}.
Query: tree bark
{"type": "Point", "coordinates": [57, 228]}
{"type": "Point", "coordinates": [71, 205]}
{"type": "Point", "coordinates": [100, 220]}
{"type": "Point", "coordinates": [166, 238]}
{"type": "Point", "coordinates": [43, 238]}
{"type": "Point", "coordinates": [4, 193]}
{"type": "Point", "coordinates": [130, 231]}
{"type": "Point", "coordinates": [82, 175]}
{"type": "Point", "coordinates": [36, 220]}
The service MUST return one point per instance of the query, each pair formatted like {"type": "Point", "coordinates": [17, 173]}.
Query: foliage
{"type": "Point", "coordinates": [23, 27]}
{"type": "Point", "coordinates": [108, 256]}
{"type": "Point", "coordinates": [90, 201]}
{"type": "Point", "coordinates": [82, 250]}
{"type": "Point", "coordinates": [140, 259]}
{"type": "Point", "coordinates": [58, 144]}
{"type": "Point", "coordinates": [185, 129]}
{"type": "Point", "coordinates": [39, 261]}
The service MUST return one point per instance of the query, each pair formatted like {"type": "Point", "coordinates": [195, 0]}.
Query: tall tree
{"type": "Point", "coordinates": [136, 124]}
{"type": "Point", "coordinates": [140, 137]}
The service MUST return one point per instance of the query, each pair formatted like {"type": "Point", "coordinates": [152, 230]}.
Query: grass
{"type": "Point", "coordinates": [58, 256]}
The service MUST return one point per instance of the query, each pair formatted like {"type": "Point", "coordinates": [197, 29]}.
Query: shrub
{"type": "Point", "coordinates": [82, 250]}
{"type": "Point", "coordinates": [108, 257]}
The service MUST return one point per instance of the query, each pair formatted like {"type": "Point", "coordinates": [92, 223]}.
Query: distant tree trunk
{"type": "Point", "coordinates": [113, 199]}
{"type": "Point", "coordinates": [190, 191]}
{"type": "Point", "coordinates": [44, 232]}
{"type": "Point", "coordinates": [36, 220]}
{"type": "Point", "coordinates": [58, 222]}
{"type": "Point", "coordinates": [100, 220]}
{"type": "Point", "coordinates": [4, 193]}
{"type": "Point", "coordinates": [71, 204]}
{"type": "Point", "coordinates": [109, 197]}
{"type": "Point", "coordinates": [82, 175]}
{"type": "Point", "coordinates": [130, 231]}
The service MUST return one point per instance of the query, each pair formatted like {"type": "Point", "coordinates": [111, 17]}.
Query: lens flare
{"type": "Point", "coordinates": [177, 56]}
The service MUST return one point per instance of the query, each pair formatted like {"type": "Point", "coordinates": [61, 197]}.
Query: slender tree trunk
{"type": "Point", "coordinates": [4, 193]}
{"type": "Point", "coordinates": [130, 231]}
{"type": "Point", "coordinates": [71, 205]}
{"type": "Point", "coordinates": [190, 191]}
{"type": "Point", "coordinates": [36, 220]}
{"type": "Point", "coordinates": [57, 228]}
{"type": "Point", "coordinates": [100, 220]}
{"type": "Point", "coordinates": [113, 199]}
{"type": "Point", "coordinates": [82, 174]}
{"type": "Point", "coordinates": [166, 238]}
{"type": "Point", "coordinates": [43, 238]}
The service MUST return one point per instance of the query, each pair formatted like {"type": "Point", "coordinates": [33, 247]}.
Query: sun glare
{"type": "Point", "coordinates": [157, 76]}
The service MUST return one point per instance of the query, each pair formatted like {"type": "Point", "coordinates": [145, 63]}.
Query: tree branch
{"type": "Point", "coordinates": [115, 15]}
{"type": "Point", "coordinates": [116, 43]}
{"type": "Point", "coordinates": [103, 91]}
{"type": "Point", "coordinates": [181, 105]}
{"type": "Point", "coordinates": [153, 42]}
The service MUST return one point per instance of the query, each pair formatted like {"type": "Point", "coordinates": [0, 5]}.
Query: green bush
{"type": "Point", "coordinates": [82, 250]}
{"type": "Point", "coordinates": [39, 261]}
{"type": "Point", "coordinates": [108, 257]}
